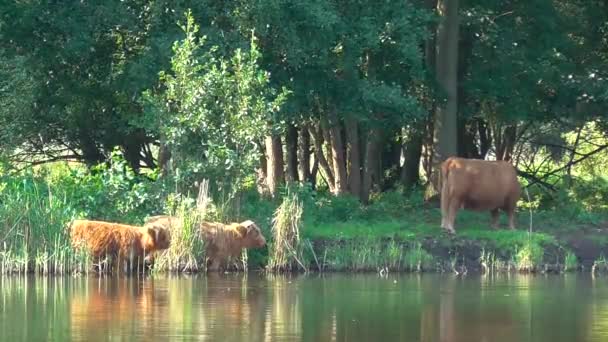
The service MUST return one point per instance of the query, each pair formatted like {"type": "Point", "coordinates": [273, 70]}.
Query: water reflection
{"type": "Point", "coordinates": [258, 307]}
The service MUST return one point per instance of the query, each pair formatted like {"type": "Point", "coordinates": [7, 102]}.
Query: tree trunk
{"type": "Point", "coordinates": [485, 138]}
{"type": "Point", "coordinates": [467, 147]}
{"type": "Point", "coordinates": [412, 152]}
{"type": "Point", "coordinates": [354, 157]}
{"type": "Point", "coordinates": [445, 123]}
{"type": "Point", "coordinates": [164, 157]}
{"type": "Point", "coordinates": [313, 173]}
{"type": "Point", "coordinates": [326, 171]}
{"type": "Point", "coordinates": [337, 153]}
{"type": "Point", "coordinates": [274, 162]}
{"type": "Point", "coordinates": [133, 144]}
{"type": "Point", "coordinates": [371, 164]}
{"type": "Point", "coordinates": [505, 142]}
{"type": "Point", "coordinates": [91, 154]}
{"type": "Point", "coordinates": [390, 153]}
{"type": "Point", "coordinates": [292, 153]}
{"type": "Point", "coordinates": [262, 173]}
{"type": "Point", "coordinates": [304, 155]}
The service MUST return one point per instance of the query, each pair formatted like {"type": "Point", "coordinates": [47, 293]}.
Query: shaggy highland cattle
{"type": "Point", "coordinates": [478, 185]}
{"type": "Point", "coordinates": [226, 241]}
{"type": "Point", "coordinates": [119, 242]}
{"type": "Point", "coordinates": [222, 241]}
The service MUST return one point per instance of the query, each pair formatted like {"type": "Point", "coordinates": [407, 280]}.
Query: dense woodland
{"type": "Point", "coordinates": [330, 115]}
{"type": "Point", "coordinates": [354, 97]}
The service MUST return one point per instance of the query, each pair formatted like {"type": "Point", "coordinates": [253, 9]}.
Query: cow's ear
{"type": "Point", "coordinates": [153, 234]}
{"type": "Point", "coordinates": [242, 229]}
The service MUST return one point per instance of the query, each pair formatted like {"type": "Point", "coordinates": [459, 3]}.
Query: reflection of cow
{"type": "Point", "coordinates": [239, 304]}
{"type": "Point", "coordinates": [118, 241]}
{"type": "Point", "coordinates": [478, 185]}
{"type": "Point", "coordinates": [116, 307]}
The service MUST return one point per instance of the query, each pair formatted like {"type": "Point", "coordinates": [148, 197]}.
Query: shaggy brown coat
{"type": "Point", "coordinates": [222, 241]}
{"type": "Point", "coordinates": [478, 185]}
{"type": "Point", "coordinates": [226, 241]}
{"type": "Point", "coordinates": [118, 241]}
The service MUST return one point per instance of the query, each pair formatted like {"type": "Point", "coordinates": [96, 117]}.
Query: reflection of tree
{"type": "Point", "coordinates": [34, 308]}
{"type": "Point", "coordinates": [284, 311]}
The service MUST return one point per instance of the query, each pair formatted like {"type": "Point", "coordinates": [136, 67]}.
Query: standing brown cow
{"type": "Point", "coordinates": [478, 185]}
{"type": "Point", "coordinates": [222, 241]}
{"type": "Point", "coordinates": [118, 241]}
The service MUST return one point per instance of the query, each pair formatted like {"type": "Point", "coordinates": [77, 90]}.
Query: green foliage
{"type": "Point", "coordinates": [529, 257]}
{"type": "Point", "coordinates": [570, 261]}
{"type": "Point", "coordinates": [214, 110]}
{"type": "Point", "coordinates": [110, 192]}
{"type": "Point", "coordinates": [187, 250]}
{"type": "Point", "coordinates": [417, 259]}
{"type": "Point", "coordinates": [34, 217]}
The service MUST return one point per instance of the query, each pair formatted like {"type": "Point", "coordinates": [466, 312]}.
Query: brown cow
{"type": "Point", "coordinates": [226, 241]}
{"type": "Point", "coordinates": [478, 185]}
{"type": "Point", "coordinates": [222, 241]}
{"type": "Point", "coordinates": [118, 241]}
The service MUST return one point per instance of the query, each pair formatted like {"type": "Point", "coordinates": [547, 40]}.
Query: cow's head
{"type": "Point", "coordinates": [156, 238]}
{"type": "Point", "coordinates": [252, 235]}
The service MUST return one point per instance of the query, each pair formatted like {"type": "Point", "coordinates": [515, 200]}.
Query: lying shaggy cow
{"type": "Point", "coordinates": [120, 242]}
{"type": "Point", "coordinates": [478, 185]}
{"type": "Point", "coordinates": [222, 241]}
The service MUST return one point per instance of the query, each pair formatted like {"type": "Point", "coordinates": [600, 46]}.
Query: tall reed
{"type": "Point", "coordinates": [187, 250]}
{"type": "Point", "coordinates": [33, 229]}
{"type": "Point", "coordinates": [286, 252]}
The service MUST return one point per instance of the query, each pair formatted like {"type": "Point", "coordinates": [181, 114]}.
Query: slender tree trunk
{"type": "Point", "coordinates": [292, 153]}
{"type": "Point", "coordinates": [337, 153]}
{"type": "Point", "coordinates": [412, 152]}
{"type": "Point", "coordinates": [371, 164]}
{"type": "Point", "coordinates": [324, 125]}
{"type": "Point", "coordinates": [274, 162]}
{"type": "Point", "coordinates": [304, 155]}
{"type": "Point", "coordinates": [262, 173]}
{"type": "Point", "coordinates": [354, 157]}
{"type": "Point", "coordinates": [326, 170]}
{"type": "Point", "coordinates": [313, 173]}
{"type": "Point", "coordinates": [466, 141]}
{"type": "Point", "coordinates": [390, 162]}
{"type": "Point", "coordinates": [445, 123]}
{"type": "Point", "coordinates": [504, 139]}
{"type": "Point", "coordinates": [485, 138]}
{"type": "Point", "coordinates": [133, 146]}
{"type": "Point", "coordinates": [164, 157]}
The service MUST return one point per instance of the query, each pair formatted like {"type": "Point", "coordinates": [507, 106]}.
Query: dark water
{"type": "Point", "coordinates": [305, 308]}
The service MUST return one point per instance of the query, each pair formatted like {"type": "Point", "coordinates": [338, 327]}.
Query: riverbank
{"type": "Point", "coordinates": [412, 243]}
{"type": "Point", "coordinates": [553, 244]}
{"type": "Point", "coordinates": [395, 232]}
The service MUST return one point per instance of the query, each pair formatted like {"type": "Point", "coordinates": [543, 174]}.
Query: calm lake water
{"type": "Point", "coordinates": [305, 308]}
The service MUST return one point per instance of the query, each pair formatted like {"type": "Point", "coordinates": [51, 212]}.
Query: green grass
{"type": "Point", "coordinates": [34, 222]}
{"type": "Point", "coordinates": [570, 262]}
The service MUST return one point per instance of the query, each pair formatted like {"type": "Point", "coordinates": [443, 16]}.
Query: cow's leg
{"type": "Point", "coordinates": [495, 214]}
{"type": "Point", "coordinates": [454, 205]}
{"type": "Point", "coordinates": [511, 214]}
{"type": "Point", "coordinates": [444, 206]}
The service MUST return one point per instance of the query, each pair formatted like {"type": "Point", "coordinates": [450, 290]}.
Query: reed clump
{"type": "Point", "coordinates": [286, 252]}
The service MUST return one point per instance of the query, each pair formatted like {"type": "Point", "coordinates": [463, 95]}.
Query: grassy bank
{"type": "Point", "coordinates": [396, 232]}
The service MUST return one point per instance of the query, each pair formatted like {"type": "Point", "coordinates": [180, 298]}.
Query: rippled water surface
{"type": "Point", "coordinates": [305, 308]}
